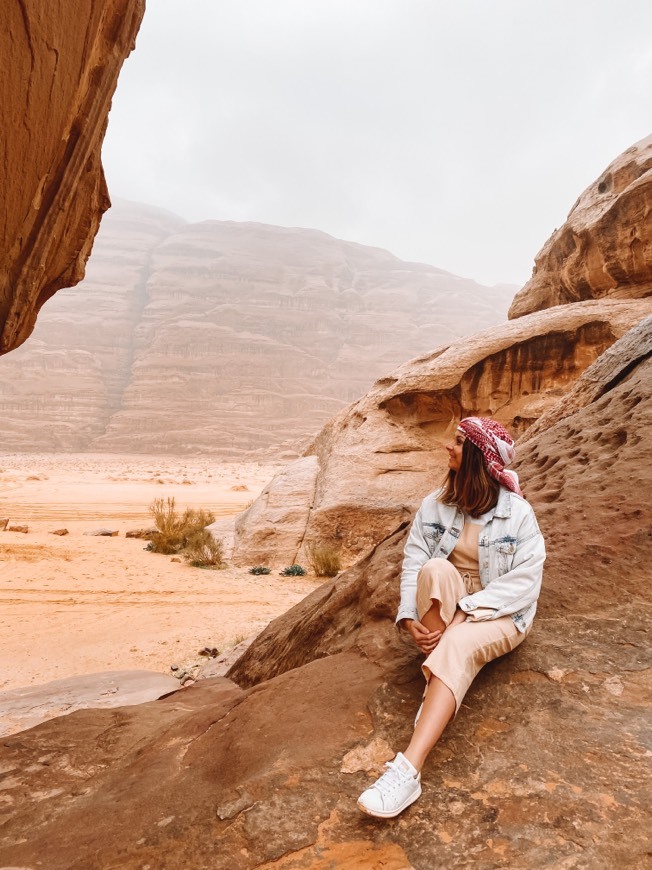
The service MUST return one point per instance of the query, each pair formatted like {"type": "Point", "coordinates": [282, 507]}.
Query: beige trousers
{"type": "Point", "coordinates": [466, 647]}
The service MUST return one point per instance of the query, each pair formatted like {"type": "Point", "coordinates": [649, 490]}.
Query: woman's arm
{"type": "Point", "coordinates": [415, 554]}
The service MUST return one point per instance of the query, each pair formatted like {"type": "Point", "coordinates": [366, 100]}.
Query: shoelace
{"type": "Point", "coordinates": [391, 779]}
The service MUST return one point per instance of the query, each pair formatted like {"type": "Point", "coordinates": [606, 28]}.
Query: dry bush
{"type": "Point", "coordinates": [324, 559]}
{"type": "Point", "coordinates": [202, 550]}
{"type": "Point", "coordinates": [174, 530]}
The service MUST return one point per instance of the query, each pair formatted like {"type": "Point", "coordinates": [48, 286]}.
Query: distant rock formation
{"type": "Point", "coordinates": [223, 337]}
{"type": "Point", "coordinates": [544, 766]}
{"type": "Point", "coordinates": [58, 70]}
{"type": "Point", "coordinates": [604, 250]}
{"type": "Point", "coordinates": [371, 465]}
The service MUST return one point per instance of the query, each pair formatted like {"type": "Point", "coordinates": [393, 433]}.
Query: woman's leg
{"type": "Point", "coordinates": [439, 588]}
{"type": "Point", "coordinates": [461, 653]}
{"type": "Point", "coordinates": [437, 711]}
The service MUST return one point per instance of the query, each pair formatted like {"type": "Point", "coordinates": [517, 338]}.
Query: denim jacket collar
{"type": "Point", "coordinates": [504, 505]}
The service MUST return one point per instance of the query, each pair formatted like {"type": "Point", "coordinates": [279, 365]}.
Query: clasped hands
{"type": "Point", "coordinates": [426, 639]}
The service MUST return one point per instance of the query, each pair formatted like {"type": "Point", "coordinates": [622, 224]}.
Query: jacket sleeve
{"type": "Point", "coordinates": [517, 588]}
{"type": "Point", "coordinates": [415, 554]}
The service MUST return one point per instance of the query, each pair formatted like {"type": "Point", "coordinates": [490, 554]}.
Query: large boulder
{"type": "Point", "coordinates": [604, 250]}
{"type": "Point", "coordinates": [374, 462]}
{"type": "Point", "coordinates": [543, 767]}
{"type": "Point", "coordinates": [59, 65]}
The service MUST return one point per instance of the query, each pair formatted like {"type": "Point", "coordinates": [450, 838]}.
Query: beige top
{"type": "Point", "coordinates": [465, 556]}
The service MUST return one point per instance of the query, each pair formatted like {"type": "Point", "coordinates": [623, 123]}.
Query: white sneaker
{"type": "Point", "coordinates": [396, 789]}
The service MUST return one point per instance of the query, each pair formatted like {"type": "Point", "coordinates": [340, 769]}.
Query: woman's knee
{"type": "Point", "coordinates": [437, 569]}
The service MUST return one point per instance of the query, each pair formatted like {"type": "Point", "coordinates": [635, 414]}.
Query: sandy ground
{"type": "Point", "coordinates": [80, 604]}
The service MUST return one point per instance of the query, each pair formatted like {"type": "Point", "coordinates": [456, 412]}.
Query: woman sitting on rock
{"type": "Point", "coordinates": [470, 582]}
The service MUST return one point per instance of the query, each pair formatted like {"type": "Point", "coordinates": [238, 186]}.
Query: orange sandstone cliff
{"type": "Point", "coordinates": [59, 64]}
{"type": "Point", "coordinates": [604, 250]}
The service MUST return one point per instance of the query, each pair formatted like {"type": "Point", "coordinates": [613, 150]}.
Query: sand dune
{"type": "Point", "coordinates": [77, 604]}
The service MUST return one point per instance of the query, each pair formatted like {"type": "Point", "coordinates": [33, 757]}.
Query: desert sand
{"type": "Point", "coordinates": [80, 604]}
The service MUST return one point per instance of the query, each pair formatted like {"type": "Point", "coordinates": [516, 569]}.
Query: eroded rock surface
{"type": "Point", "coordinates": [545, 766]}
{"type": "Point", "coordinates": [379, 457]}
{"type": "Point", "coordinates": [24, 708]}
{"type": "Point", "coordinates": [59, 67]}
{"type": "Point", "coordinates": [604, 250]}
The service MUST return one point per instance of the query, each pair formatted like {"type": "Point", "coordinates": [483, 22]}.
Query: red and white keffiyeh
{"type": "Point", "coordinates": [497, 447]}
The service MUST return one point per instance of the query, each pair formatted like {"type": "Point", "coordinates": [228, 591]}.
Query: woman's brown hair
{"type": "Point", "coordinates": [471, 488]}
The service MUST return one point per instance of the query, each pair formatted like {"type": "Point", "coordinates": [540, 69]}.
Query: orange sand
{"type": "Point", "coordinates": [78, 604]}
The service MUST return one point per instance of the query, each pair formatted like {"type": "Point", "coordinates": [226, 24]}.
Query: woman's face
{"type": "Point", "coordinates": [455, 451]}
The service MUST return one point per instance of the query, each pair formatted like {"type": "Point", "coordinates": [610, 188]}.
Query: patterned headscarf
{"type": "Point", "coordinates": [497, 447]}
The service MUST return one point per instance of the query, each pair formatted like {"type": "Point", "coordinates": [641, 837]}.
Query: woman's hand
{"type": "Point", "coordinates": [425, 639]}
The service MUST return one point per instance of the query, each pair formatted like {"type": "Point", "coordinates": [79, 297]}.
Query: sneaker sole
{"type": "Point", "coordinates": [381, 815]}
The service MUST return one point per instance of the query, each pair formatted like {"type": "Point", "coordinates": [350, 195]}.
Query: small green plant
{"type": "Point", "coordinates": [202, 550]}
{"type": "Point", "coordinates": [260, 569]}
{"type": "Point", "coordinates": [174, 530]}
{"type": "Point", "coordinates": [324, 559]}
{"type": "Point", "coordinates": [293, 571]}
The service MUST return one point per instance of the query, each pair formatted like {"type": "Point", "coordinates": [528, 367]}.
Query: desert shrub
{"type": "Point", "coordinates": [202, 550]}
{"type": "Point", "coordinates": [260, 569]}
{"type": "Point", "coordinates": [324, 559]}
{"type": "Point", "coordinates": [174, 530]}
{"type": "Point", "coordinates": [293, 571]}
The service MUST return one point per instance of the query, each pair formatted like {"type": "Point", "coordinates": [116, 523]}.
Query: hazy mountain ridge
{"type": "Point", "coordinates": [223, 337]}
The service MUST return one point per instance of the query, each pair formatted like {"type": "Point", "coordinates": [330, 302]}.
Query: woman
{"type": "Point", "coordinates": [470, 582]}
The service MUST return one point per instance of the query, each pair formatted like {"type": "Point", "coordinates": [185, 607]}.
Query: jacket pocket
{"type": "Point", "coordinates": [504, 549]}
{"type": "Point", "coordinates": [433, 533]}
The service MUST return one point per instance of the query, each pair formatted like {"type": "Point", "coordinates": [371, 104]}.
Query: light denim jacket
{"type": "Point", "coordinates": [511, 553]}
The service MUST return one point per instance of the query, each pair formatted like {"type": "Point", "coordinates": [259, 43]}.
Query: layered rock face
{"type": "Point", "coordinates": [370, 466]}
{"type": "Point", "coordinates": [543, 767]}
{"type": "Point", "coordinates": [59, 390]}
{"type": "Point", "coordinates": [223, 337]}
{"type": "Point", "coordinates": [604, 250]}
{"type": "Point", "coordinates": [59, 67]}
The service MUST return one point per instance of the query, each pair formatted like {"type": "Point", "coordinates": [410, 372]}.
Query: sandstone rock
{"type": "Point", "coordinates": [60, 532]}
{"type": "Point", "coordinates": [104, 533]}
{"type": "Point", "coordinates": [614, 365]}
{"type": "Point", "coordinates": [605, 247]}
{"type": "Point", "coordinates": [276, 521]}
{"type": "Point", "coordinates": [4, 523]}
{"type": "Point", "coordinates": [223, 337]}
{"type": "Point", "coordinates": [142, 534]}
{"type": "Point", "coordinates": [24, 708]}
{"type": "Point", "coordinates": [23, 529]}
{"type": "Point", "coordinates": [217, 667]}
{"type": "Point", "coordinates": [59, 71]}
{"type": "Point", "coordinates": [372, 464]}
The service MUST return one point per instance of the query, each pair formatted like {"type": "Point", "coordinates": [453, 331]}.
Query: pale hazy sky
{"type": "Point", "coordinates": [454, 132]}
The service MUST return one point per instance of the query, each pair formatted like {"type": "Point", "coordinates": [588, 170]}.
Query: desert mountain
{"type": "Point", "coordinates": [222, 337]}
